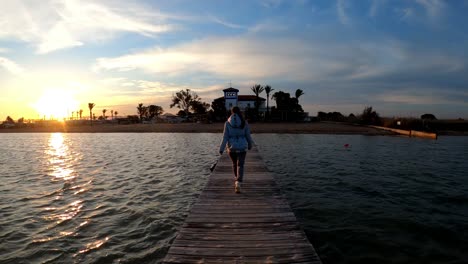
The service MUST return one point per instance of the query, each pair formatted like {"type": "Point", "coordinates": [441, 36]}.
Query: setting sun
{"type": "Point", "coordinates": [56, 104]}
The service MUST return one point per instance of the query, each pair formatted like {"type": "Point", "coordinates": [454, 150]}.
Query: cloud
{"type": "Point", "coordinates": [375, 6]}
{"type": "Point", "coordinates": [271, 3]}
{"type": "Point", "coordinates": [434, 8]}
{"type": "Point", "coordinates": [59, 37]}
{"type": "Point", "coordinates": [10, 66]}
{"type": "Point", "coordinates": [341, 11]}
{"type": "Point", "coordinates": [58, 24]}
{"type": "Point", "coordinates": [424, 96]}
{"type": "Point", "coordinates": [224, 23]}
{"type": "Point", "coordinates": [267, 26]}
{"type": "Point", "coordinates": [119, 91]}
{"type": "Point", "coordinates": [406, 13]}
{"type": "Point", "coordinates": [252, 58]}
{"type": "Point", "coordinates": [140, 88]}
{"type": "Point", "coordinates": [4, 50]}
{"type": "Point", "coordinates": [426, 12]}
{"type": "Point", "coordinates": [246, 57]}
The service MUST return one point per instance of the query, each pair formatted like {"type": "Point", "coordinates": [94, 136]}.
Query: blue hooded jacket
{"type": "Point", "coordinates": [236, 137]}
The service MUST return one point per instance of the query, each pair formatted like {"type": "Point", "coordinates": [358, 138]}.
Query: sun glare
{"type": "Point", "coordinates": [56, 104]}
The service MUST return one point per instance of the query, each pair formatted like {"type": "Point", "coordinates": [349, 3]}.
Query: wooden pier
{"type": "Point", "coordinates": [255, 226]}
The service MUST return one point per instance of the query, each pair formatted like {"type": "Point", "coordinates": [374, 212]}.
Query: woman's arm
{"type": "Point", "coordinates": [250, 141]}
{"type": "Point", "coordinates": [225, 139]}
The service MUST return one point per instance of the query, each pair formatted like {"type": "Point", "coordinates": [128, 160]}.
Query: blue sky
{"type": "Point", "coordinates": [404, 58]}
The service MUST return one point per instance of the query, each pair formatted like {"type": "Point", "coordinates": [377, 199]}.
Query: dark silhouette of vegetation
{"type": "Point", "coordinates": [91, 106]}
{"type": "Point", "coordinates": [257, 89]}
{"type": "Point", "coordinates": [142, 110]}
{"type": "Point", "coordinates": [131, 119]}
{"type": "Point", "coordinates": [287, 108]}
{"type": "Point", "coordinates": [268, 90]}
{"type": "Point", "coordinates": [352, 118]}
{"type": "Point", "coordinates": [331, 116]}
{"type": "Point", "coordinates": [9, 120]}
{"type": "Point", "coordinates": [80, 112]}
{"type": "Point", "coordinates": [299, 93]}
{"type": "Point", "coordinates": [219, 109]}
{"type": "Point", "coordinates": [104, 114]}
{"type": "Point", "coordinates": [189, 101]}
{"type": "Point", "coordinates": [182, 113]}
{"type": "Point", "coordinates": [428, 117]}
{"type": "Point", "coordinates": [185, 100]}
{"type": "Point", "coordinates": [154, 111]}
{"type": "Point", "coordinates": [199, 108]}
{"type": "Point", "coordinates": [148, 112]}
{"type": "Point", "coordinates": [370, 117]}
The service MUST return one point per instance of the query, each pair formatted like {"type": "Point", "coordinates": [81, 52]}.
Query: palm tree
{"type": "Point", "coordinates": [257, 89]}
{"type": "Point", "coordinates": [104, 113]}
{"type": "Point", "coordinates": [112, 114]}
{"type": "Point", "coordinates": [81, 112]}
{"type": "Point", "coordinates": [268, 90]}
{"type": "Point", "coordinates": [91, 106]}
{"type": "Point", "coordinates": [73, 114]}
{"type": "Point", "coordinates": [299, 93]}
{"type": "Point", "coordinates": [116, 113]}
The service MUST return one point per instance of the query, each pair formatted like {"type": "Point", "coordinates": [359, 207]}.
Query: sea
{"type": "Point", "coordinates": [122, 197]}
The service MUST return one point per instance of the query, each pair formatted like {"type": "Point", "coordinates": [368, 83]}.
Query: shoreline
{"type": "Point", "coordinates": [256, 128]}
{"type": "Point", "coordinates": [332, 128]}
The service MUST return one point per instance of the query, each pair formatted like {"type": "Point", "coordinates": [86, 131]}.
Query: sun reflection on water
{"type": "Point", "coordinates": [94, 245]}
{"type": "Point", "coordinates": [71, 211]}
{"type": "Point", "coordinates": [62, 214]}
{"type": "Point", "coordinates": [59, 158]}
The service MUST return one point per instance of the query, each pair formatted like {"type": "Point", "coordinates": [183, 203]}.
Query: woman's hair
{"type": "Point", "coordinates": [236, 110]}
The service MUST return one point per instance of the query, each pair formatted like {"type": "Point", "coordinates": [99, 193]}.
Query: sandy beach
{"type": "Point", "coordinates": [291, 128]}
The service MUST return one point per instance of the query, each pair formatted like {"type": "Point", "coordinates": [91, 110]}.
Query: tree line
{"type": "Point", "coordinates": [287, 108]}
{"type": "Point", "coordinates": [192, 107]}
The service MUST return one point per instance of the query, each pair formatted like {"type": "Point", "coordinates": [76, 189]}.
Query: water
{"type": "Point", "coordinates": [379, 200]}
{"type": "Point", "coordinates": [97, 198]}
{"type": "Point", "coordinates": [120, 198]}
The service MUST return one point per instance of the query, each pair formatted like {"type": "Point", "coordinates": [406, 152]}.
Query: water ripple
{"type": "Point", "coordinates": [97, 198]}
{"type": "Point", "coordinates": [377, 200]}
{"type": "Point", "coordinates": [104, 198]}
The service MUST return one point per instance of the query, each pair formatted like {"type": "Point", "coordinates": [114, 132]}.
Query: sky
{"type": "Point", "coordinates": [402, 57]}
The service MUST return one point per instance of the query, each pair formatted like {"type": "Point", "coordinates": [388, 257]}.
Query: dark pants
{"type": "Point", "coordinates": [238, 160]}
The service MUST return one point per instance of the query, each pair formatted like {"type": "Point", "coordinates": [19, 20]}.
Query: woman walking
{"type": "Point", "coordinates": [238, 140]}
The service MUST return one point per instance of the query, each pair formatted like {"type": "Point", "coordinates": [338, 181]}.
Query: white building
{"type": "Point", "coordinates": [232, 98]}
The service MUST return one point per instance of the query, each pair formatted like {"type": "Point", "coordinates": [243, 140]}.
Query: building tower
{"type": "Point", "coordinates": [230, 97]}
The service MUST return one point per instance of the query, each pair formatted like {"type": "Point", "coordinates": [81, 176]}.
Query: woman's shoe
{"type": "Point", "coordinates": [237, 187]}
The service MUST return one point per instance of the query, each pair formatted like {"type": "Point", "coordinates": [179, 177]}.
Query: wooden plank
{"type": "Point", "coordinates": [287, 259]}
{"type": "Point", "coordinates": [239, 237]}
{"type": "Point", "coordinates": [255, 226]}
{"type": "Point", "coordinates": [206, 227]}
{"type": "Point", "coordinates": [233, 230]}
{"type": "Point", "coordinates": [252, 252]}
